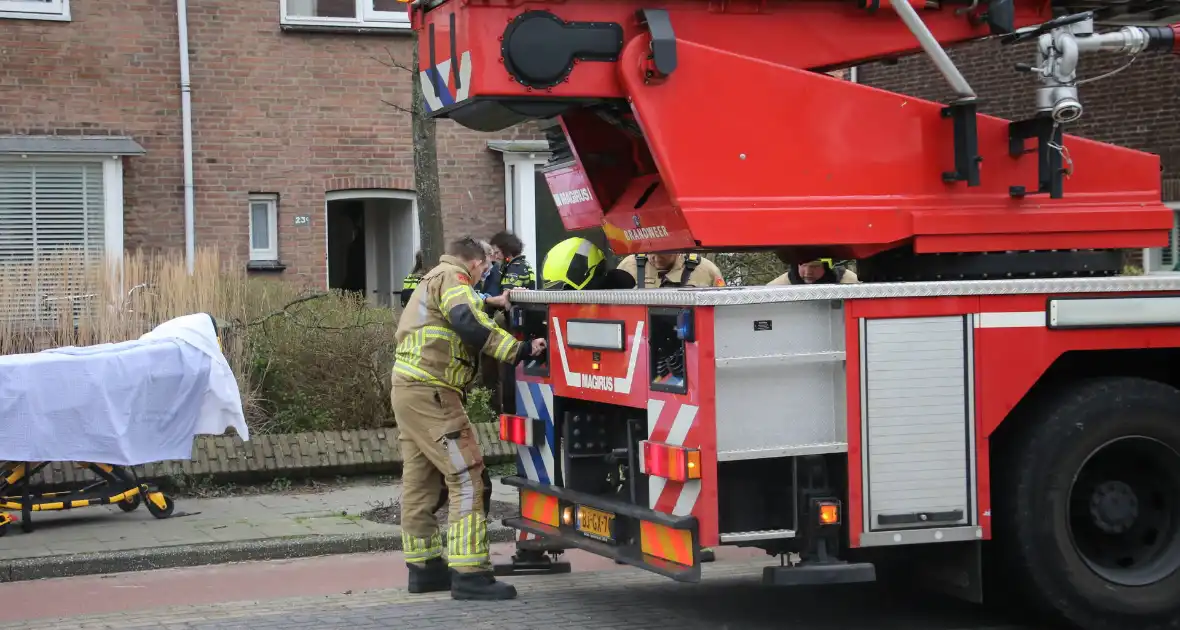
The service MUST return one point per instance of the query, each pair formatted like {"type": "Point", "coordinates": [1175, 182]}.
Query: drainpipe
{"type": "Point", "coordinates": [186, 113]}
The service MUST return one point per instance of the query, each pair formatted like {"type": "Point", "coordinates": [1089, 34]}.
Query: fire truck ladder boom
{"type": "Point", "coordinates": [717, 125]}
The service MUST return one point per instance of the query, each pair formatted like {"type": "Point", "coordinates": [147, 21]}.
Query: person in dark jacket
{"type": "Point", "coordinates": [515, 271]}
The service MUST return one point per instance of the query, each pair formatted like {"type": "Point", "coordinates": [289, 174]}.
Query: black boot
{"type": "Point", "coordinates": [433, 578]}
{"type": "Point", "coordinates": [481, 586]}
{"type": "Point", "coordinates": [707, 555]}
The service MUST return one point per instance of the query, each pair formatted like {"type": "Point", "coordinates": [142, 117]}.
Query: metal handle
{"type": "Point", "coordinates": [933, 49]}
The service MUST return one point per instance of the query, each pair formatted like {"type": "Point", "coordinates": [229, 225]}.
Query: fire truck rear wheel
{"type": "Point", "coordinates": [1088, 512]}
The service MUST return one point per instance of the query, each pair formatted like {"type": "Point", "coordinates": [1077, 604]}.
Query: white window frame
{"type": "Point", "coordinates": [112, 202]}
{"type": "Point", "coordinates": [366, 17]}
{"type": "Point", "coordinates": [520, 198]}
{"type": "Point", "coordinates": [1152, 257]}
{"type": "Point", "coordinates": [112, 187]}
{"type": "Point", "coordinates": [270, 253]}
{"type": "Point", "coordinates": [54, 10]}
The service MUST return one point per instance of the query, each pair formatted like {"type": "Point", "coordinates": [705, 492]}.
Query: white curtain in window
{"type": "Point", "coordinates": [49, 212]}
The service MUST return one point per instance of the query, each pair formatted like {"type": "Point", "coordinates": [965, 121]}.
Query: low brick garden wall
{"type": "Point", "coordinates": [318, 453]}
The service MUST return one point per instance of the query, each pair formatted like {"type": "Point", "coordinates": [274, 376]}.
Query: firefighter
{"type": "Point", "coordinates": [515, 271]}
{"type": "Point", "coordinates": [672, 270]}
{"type": "Point", "coordinates": [820, 271]}
{"type": "Point", "coordinates": [436, 335]}
{"type": "Point", "coordinates": [411, 281]}
{"type": "Point", "coordinates": [577, 264]}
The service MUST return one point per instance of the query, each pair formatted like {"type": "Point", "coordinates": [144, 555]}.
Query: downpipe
{"type": "Point", "coordinates": [186, 113]}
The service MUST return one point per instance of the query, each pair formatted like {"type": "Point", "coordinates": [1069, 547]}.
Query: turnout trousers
{"type": "Point", "coordinates": [441, 462]}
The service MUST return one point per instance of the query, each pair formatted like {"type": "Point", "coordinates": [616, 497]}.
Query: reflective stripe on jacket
{"type": "Point", "coordinates": [443, 328]}
{"type": "Point", "coordinates": [518, 274]}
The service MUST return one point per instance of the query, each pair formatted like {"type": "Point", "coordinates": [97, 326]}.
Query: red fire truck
{"type": "Point", "coordinates": [994, 400]}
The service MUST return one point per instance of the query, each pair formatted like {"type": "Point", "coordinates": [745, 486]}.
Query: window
{"type": "Point", "coordinates": [264, 224]}
{"type": "Point", "coordinates": [58, 10]}
{"type": "Point", "coordinates": [53, 212]}
{"type": "Point", "coordinates": [384, 14]}
{"type": "Point", "coordinates": [1166, 259]}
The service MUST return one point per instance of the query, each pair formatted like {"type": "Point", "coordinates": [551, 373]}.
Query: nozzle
{"type": "Point", "coordinates": [1163, 38]}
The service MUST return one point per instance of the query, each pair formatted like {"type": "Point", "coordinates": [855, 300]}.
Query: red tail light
{"type": "Point", "coordinates": [675, 463]}
{"type": "Point", "coordinates": [521, 430]}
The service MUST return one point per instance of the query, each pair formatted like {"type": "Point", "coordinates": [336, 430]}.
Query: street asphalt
{"type": "Point", "coordinates": [595, 595]}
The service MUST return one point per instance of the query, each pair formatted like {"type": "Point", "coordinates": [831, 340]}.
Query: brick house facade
{"type": "Point", "coordinates": [1135, 108]}
{"type": "Point", "coordinates": [287, 118]}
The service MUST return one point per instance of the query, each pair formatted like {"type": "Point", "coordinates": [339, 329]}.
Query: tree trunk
{"type": "Point", "coordinates": [430, 220]}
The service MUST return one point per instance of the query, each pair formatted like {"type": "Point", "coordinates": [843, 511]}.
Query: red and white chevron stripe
{"type": "Point", "coordinates": [674, 423]}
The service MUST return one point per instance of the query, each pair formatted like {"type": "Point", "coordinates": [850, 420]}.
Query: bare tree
{"type": "Point", "coordinates": [426, 182]}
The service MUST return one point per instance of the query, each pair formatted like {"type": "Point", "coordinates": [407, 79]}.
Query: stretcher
{"type": "Point", "coordinates": [110, 407]}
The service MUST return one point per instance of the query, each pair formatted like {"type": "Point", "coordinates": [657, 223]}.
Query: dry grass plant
{"type": "Point", "coordinates": [306, 360]}
{"type": "Point", "coordinates": [67, 299]}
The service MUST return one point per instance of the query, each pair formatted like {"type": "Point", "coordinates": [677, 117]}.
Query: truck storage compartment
{"type": "Point", "coordinates": [918, 429]}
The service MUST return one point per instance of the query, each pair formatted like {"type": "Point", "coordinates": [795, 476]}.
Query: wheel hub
{"type": "Point", "coordinates": [1124, 514]}
{"type": "Point", "coordinates": [1114, 506]}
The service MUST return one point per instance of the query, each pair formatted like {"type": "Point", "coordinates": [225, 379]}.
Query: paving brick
{"type": "Point", "coordinates": [730, 597]}
{"type": "Point", "coordinates": [222, 520]}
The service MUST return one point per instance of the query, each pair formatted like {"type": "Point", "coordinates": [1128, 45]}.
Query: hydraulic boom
{"type": "Point", "coordinates": [716, 125]}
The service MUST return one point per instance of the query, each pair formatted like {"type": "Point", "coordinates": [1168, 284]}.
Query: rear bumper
{"type": "Point", "coordinates": [639, 532]}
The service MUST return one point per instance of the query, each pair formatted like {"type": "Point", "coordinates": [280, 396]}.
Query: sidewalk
{"type": "Point", "coordinates": [208, 531]}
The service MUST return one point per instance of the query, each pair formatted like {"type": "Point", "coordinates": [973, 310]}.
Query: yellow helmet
{"type": "Point", "coordinates": [572, 263]}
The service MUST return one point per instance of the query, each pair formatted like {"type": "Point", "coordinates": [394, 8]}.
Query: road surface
{"type": "Point", "coordinates": [364, 592]}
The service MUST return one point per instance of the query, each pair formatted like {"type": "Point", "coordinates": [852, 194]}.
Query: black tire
{"type": "Point", "coordinates": [130, 505]}
{"type": "Point", "coordinates": [1055, 523]}
{"type": "Point", "coordinates": [169, 506]}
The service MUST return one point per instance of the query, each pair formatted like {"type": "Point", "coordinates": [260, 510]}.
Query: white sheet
{"type": "Point", "coordinates": [125, 403]}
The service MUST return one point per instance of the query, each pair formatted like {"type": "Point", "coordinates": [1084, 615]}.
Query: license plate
{"type": "Point", "coordinates": [596, 523]}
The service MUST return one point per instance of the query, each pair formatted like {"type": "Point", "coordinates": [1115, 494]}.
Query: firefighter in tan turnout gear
{"type": "Point", "coordinates": [822, 271]}
{"type": "Point", "coordinates": [671, 270]}
{"type": "Point", "coordinates": [442, 331]}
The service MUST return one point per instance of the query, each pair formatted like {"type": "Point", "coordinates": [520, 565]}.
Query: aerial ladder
{"type": "Point", "coordinates": [992, 397]}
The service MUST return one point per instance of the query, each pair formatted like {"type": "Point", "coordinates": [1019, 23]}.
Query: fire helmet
{"type": "Point", "coordinates": [573, 264]}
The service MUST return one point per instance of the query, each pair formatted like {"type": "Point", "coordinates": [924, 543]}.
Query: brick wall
{"type": "Point", "coordinates": [1135, 108]}
{"type": "Point", "coordinates": [296, 114]}
{"type": "Point", "coordinates": [319, 453]}
{"type": "Point", "coordinates": [115, 70]}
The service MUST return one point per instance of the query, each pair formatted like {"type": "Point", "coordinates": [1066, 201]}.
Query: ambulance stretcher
{"type": "Point", "coordinates": [108, 408]}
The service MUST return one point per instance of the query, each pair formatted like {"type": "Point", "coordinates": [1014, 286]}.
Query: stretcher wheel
{"type": "Point", "coordinates": [158, 512]}
{"type": "Point", "coordinates": [130, 505]}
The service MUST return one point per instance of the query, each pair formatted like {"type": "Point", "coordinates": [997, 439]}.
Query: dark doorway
{"type": "Point", "coordinates": [346, 246]}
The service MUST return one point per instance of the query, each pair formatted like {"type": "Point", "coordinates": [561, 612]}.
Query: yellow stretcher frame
{"type": "Point", "coordinates": [116, 485]}
{"type": "Point", "coordinates": [122, 487]}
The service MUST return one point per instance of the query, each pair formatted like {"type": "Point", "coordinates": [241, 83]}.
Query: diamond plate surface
{"type": "Point", "coordinates": [766, 294]}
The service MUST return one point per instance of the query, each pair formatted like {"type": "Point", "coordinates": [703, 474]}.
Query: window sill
{"type": "Point", "coordinates": [265, 265]}
{"type": "Point", "coordinates": [357, 28]}
{"type": "Point", "coordinates": [40, 17]}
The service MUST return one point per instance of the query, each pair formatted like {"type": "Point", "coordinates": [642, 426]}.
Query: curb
{"type": "Point", "coordinates": [202, 554]}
